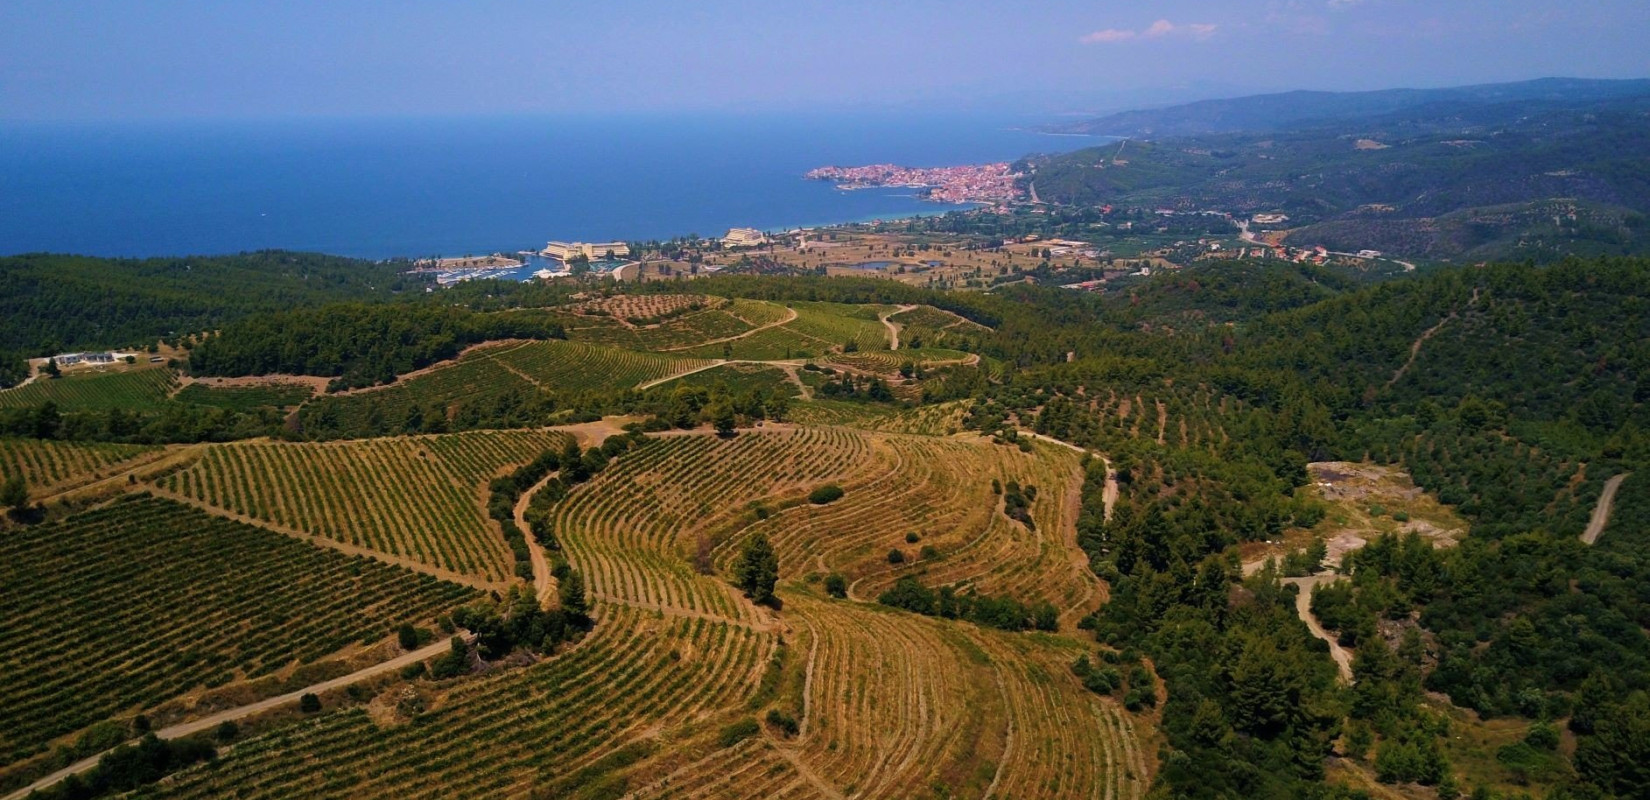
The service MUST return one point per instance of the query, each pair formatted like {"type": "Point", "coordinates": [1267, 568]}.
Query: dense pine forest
{"type": "Point", "coordinates": [1512, 392]}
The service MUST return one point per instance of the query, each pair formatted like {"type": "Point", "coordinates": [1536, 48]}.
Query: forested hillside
{"type": "Point", "coordinates": [55, 303]}
{"type": "Point", "coordinates": [1274, 112]}
{"type": "Point", "coordinates": [1517, 179]}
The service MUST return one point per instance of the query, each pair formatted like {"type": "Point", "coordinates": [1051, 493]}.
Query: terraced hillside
{"type": "Point", "coordinates": [948, 697]}
{"type": "Point", "coordinates": [553, 724]}
{"type": "Point", "coordinates": [149, 598]}
{"type": "Point", "coordinates": [417, 500]}
{"type": "Point", "coordinates": [683, 688]}
{"type": "Point", "coordinates": [940, 490]}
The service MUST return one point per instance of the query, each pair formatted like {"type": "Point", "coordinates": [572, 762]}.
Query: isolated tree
{"type": "Point", "coordinates": [836, 585]}
{"type": "Point", "coordinates": [571, 592]}
{"type": "Point", "coordinates": [407, 636]}
{"type": "Point", "coordinates": [51, 368]}
{"type": "Point", "coordinates": [14, 494]}
{"type": "Point", "coordinates": [723, 418]}
{"type": "Point", "coordinates": [309, 703]}
{"type": "Point", "coordinates": [758, 569]}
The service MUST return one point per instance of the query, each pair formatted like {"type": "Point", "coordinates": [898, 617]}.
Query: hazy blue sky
{"type": "Point", "coordinates": [132, 59]}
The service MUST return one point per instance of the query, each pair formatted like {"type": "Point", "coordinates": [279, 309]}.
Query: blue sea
{"type": "Point", "coordinates": [448, 187]}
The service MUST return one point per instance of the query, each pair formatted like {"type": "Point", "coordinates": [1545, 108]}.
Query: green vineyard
{"type": "Point", "coordinates": [147, 599]}
{"type": "Point", "coordinates": [48, 465]}
{"type": "Point", "coordinates": [634, 529]}
{"type": "Point", "coordinates": [418, 498]}
{"type": "Point", "coordinates": [135, 390]}
{"type": "Point", "coordinates": [574, 367]}
{"type": "Point", "coordinates": [524, 730]}
{"type": "Point", "coordinates": [244, 398]}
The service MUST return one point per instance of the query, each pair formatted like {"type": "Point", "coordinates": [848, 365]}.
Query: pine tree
{"type": "Point", "coordinates": [757, 570]}
{"type": "Point", "coordinates": [14, 494]}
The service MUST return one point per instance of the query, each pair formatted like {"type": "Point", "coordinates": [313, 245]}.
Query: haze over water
{"type": "Point", "coordinates": [383, 188]}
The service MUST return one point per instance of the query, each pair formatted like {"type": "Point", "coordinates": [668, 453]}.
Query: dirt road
{"type": "Point", "coordinates": [1601, 512]}
{"type": "Point", "coordinates": [893, 328]}
{"type": "Point", "coordinates": [1108, 495]}
{"type": "Point", "coordinates": [713, 365]}
{"type": "Point", "coordinates": [1303, 609]}
{"type": "Point", "coordinates": [207, 723]}
{"type": "Point", "coordinates": [790, 316]}
{"type": "Point", "coordinates": [544, 587]}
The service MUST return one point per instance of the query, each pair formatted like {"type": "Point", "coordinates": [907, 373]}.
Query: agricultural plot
{"type": "Point", "coordinates": [932, 318]}
{"type": "Point", "coordinates": [705, 327]}
{"type": "Point", "coordinates": [671, 334]}
{"type": "Point", "coordinates": [976, 711]}
{"type": "Point", "coordinates": [887, 703]}
{"type": "Point", "coordinates": [943, 419]}
{"type": "Point", "coordinates": [418, 499]}
{"type": "Point", "coordinates": [888, 362]}
{"type": "Point", "coordinates": [148, 599]}
{"type": "Point", "coordinates": [544, 729]}
{"type": "Point", "coordinates": [740, 378]}
{"type": "Point", "coordinates": [758, 312]}
{"type": "Point", "coordinates": [576, 367]}
{"type": "Point", "coordinates": [637, 308]}
{"type": "Point", "coordinates": [940, 490]}
{"type": "Point", "coordinates": [773, 344]}
{"type": "Point", "coordinates": [50, 466]}
{"type": "Point", "coordinates": [133, 390]}
{"type": "Point", "coordinates": [245, 398]}
{"type": "Point", "coordinates": [840, 323]}
{"type": "Point", "coordinates": [636, 529]}
{"type": "Point", "coordinates": [475, 378]}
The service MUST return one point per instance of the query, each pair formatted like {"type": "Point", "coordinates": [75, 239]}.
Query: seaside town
{"type": "Point", "coordinates": [971, 183]}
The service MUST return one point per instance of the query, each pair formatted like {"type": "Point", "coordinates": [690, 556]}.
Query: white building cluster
{"type": "Point", "coordinates": [594, 251]}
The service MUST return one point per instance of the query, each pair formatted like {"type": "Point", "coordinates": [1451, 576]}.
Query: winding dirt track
{"type": "Point", "coordinates": [544, 587]}
{"type": "Point", "coordinates": [1108, 496]}
{"type": "Point", "coordinates": [1303, 608]}
{"type": "Point", "coordinates": [790, 317]}
{"type": "Point", "coordinates": [793, 363]}
{"type": "Point", "coordinates": [893, 328]}
{"type": "Point", "coordinates": [242, 712]}
{"type": "Point", "coordinates": [1601, 512]}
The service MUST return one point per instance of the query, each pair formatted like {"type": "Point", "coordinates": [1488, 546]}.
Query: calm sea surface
{"type": "Point", "coordinates": [385, 188]}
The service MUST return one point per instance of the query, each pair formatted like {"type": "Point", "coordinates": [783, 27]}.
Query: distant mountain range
{"type": "Point", "coordinates": [1531, 170]}
{"type": "Point", "coordinates": [1288, 110]}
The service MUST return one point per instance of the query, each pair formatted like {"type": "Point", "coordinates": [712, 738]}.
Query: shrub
{"type": "Point", "coordinates": [227, 731]}
{"type": "Point", "coordinates": [309, 703]}
{"type": "Point", "coordinates": [929, 552]}
{"type": "Point", "coordinates": [828, 493]}
{"type": "Point", "coordinates": [836, 585]}
{"type": "Point", "coordinates": [738, 732]}
{"type": "Point", "coordinates": [895, 556]}
{"type": "Point", "coordinates": [407, 637]}
{"type": "Point", "coordinates": [786, 723]}
{"type": "Point", "coordinates": [912, 538]}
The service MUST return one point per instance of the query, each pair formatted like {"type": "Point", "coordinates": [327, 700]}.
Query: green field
{"type": "Point", "coordinates": [135, 390]}
{"type": "Point", "coordinates": [244, 398]}
{"type": "Point", "coordinates": [739, 379]}
{"type": "Point", "coordinates": [129, 605]}
{"type": "Point", "coordinates": [574, 367]}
